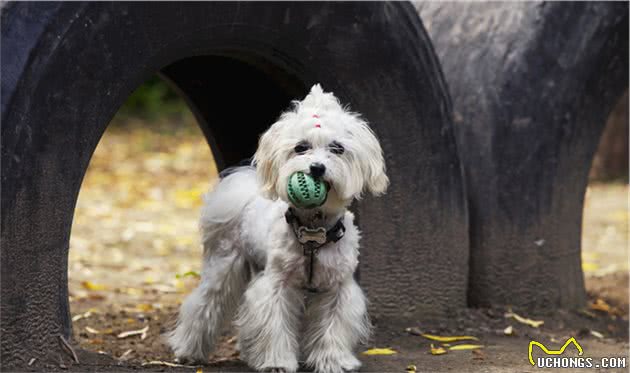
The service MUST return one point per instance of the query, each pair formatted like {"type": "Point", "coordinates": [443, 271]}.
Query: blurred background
{"type": "Point", "coordinates": [135, 252]}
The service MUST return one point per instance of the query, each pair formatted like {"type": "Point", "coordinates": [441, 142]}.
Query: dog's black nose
{"type": "Point", "coordinates": [317, 169]}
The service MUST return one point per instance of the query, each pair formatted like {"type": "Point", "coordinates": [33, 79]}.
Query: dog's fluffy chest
{"type": "Point", "coordinates": [270, 242]}
{"type": "Point", "coordinates": [331, 264]}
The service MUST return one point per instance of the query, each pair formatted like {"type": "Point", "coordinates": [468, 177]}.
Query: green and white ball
{"type": "Point", "coordinates": [306, 192]}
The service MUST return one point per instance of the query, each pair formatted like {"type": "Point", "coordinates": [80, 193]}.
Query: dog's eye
{"type": "Point", "coordinates": [302, 147]}
{"type": "Point", "coordinates": [336, 148]}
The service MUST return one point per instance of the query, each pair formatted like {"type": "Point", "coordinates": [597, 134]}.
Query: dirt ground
{"type": "Point", "coordinates": [135, 254]}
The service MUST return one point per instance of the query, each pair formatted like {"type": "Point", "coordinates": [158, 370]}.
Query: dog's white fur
{"type": "Point", "coordinates": [253, 265]}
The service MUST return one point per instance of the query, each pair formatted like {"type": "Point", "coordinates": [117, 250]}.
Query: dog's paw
{"type": "Point", "coordinates": [190, 360]}
{"type": "Point", "coordinates": [275, 370]}
{"type": "Point", "coordinates": [336, 364]}
{"type": "Point", "coordinates": [281, 366]}
{"type": "Point", "coordinates": [349, 363]}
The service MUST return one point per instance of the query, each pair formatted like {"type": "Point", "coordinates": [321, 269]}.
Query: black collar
{"type": "Point", "coordinates": [314, 238]}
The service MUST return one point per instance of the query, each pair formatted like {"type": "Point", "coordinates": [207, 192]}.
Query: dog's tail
{"type": "Point", "coordinates": [225, 275]}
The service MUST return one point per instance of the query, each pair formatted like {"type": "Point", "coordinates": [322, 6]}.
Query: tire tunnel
{"type": "Point", "coordinates": [67, 68]}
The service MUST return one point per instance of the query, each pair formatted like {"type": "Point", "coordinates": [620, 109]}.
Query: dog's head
{"type": "Point", "coordinates": [320, 137]}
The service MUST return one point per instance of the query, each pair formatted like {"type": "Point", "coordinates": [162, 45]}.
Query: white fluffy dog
{"type": "Point", "coordinates": [261, 251]}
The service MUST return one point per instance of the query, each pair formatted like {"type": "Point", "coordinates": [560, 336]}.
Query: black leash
{"type": "Point", "coordinates": [312, 239]}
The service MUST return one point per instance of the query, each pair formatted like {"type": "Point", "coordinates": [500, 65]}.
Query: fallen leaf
{"type": "Point", "coordinates": [449, 338]}
{"type": "Point", "coordinates": [131, 333]}
{"type": "Point", "coordinates": [437, 350]}
{"type": "Point", "coordinates": [132, 291]}
{"type": "Point", "coordinates": [600, 305]}
{"type": "Point", "coordinates": [165, 363]}
{"type": "Point", "coordinates": [199, 370]}
{"type": "Point", "coordinates": [524, 320]}
{"type": "Point", "coordinates": [187, 274]}
{"type": "Point", "coordinates": [379, 351]}
{"type": "Point", "coordinates": [587, 313]}
{"type": "Point", "coordinates": [589, 267]}
{"type": "Point", "coordinates": [92, 286]}
{"type": "Point", "coordinates": [411, 368]}
{"type": "Point", "coordinates": [96, 296]}
{"type": "Point", "coordinates": [165, 288]}
{"type": "Point", "coordinates": [414, 331]}
{"type": "Point", "coordinates": [465, 347]}
{"type": "Point", "coordinates": [149, 280]}
{"type": "Point", "coordinates": [187, 198]}
{"type": "Point", "coordinates": [92, 330]}
{"type": "Point", "coordinates": [478, 355]}
{"type": "Point", "coordinates": [82, 316]}
{"type": "Point", "coordinates": [509, 330]}
{"type": "Point", "coordinates": [144, 307]}
{"type": "Point", "coordinates": [619, 215]}
{"type": "Point", "coordinates": [125, 355]}
{"type": "Point", "coordinates": [597, 334]}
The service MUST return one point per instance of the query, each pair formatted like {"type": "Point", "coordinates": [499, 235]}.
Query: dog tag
{"type": "Point", "coordinates": [312, 235]}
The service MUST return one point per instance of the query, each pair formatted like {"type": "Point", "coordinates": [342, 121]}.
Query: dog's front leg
{"type": "Point", "coordinates": [336, 321]}
{"type": "Point", "coordinates": [269, 322]}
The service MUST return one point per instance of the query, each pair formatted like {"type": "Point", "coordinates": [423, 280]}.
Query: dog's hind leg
{"type": "Point", "coordinates": [268, 324]}
{"type": "Point", "coordinates": [336, 320]}
{"type": "Point", "coordinates": [210, 306]}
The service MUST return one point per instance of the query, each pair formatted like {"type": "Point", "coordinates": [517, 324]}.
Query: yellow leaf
{"type": "Point", "coordinates": [600, 305]}
{"type": "Point", "coordinates": [187, 274]}
{"type": "Point", "coordinates": [186, 198]}
{"type": "Point", "coordinates": [449, 338]}
{"type": "Point", "coordinates": [184, 240]}
{"type": "Point", "coordinates": [199, 370]}
{"type": "Point", "coordinates": [179, 284]}
{"type": "Point", "coordinates": [92, 286]}
{"type": "Point", "coordinates": [437, 350]}
{"type": "Point", "coordinates": [132, 291]}
{"type": "Point", "coordinates": [379, 351]}
{"type": "Point", "coordinates": [149, 280]}
{"type": "Point", "coordinates": [411, 368]}
{"type": "Point", "coordinates": [524, 320]}
{"type": "Point", "coordinates": [619, 215]}
{"type": "Point", "coordinates": [465, 347]}
{"type": "Point", "coordinates": [144, 307]}
{"type": "Point", "coordinates": [589, 267]}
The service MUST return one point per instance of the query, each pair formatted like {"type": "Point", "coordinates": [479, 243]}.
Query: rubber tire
{"type": "Point", "coordinates": [532, 85]}
{"type": "Point", "coordinates": [68, 67]}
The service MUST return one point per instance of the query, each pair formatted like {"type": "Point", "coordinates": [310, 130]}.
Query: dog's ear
{"type": "Point", "coordinates": [376, 180]}
{"type": "Point", "coordinates": [266, 170]}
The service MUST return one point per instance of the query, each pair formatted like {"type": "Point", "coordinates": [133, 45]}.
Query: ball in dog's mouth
{"type": "Point", "coordinates": [305, 191]}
